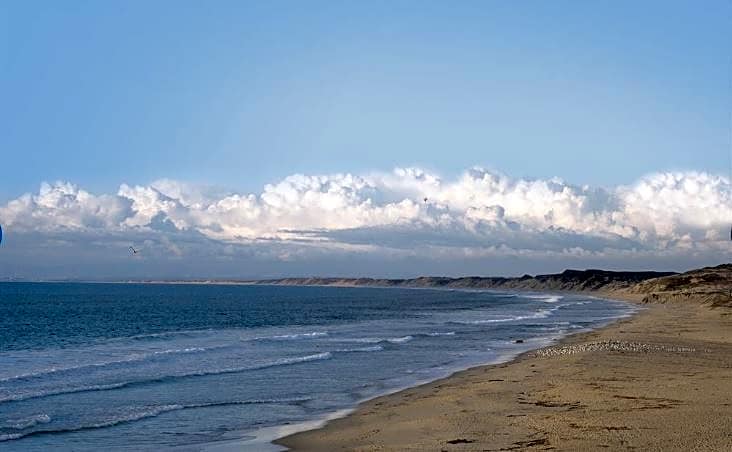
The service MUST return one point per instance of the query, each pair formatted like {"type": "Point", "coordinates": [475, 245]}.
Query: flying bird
{"type": "Point", "coordinates": [425, 200]}
{"type": "Point", "coordinates": [134, 251]}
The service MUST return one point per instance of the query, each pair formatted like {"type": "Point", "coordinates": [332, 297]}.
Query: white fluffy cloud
{"type": "Point", "coordinates": [481, 212]}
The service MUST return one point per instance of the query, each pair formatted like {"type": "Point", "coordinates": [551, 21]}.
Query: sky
{"type": "Point", "coordinates": [263, 139]}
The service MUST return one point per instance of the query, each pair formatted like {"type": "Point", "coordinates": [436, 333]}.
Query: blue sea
{"type": "Point", "coordinates": [190, 367]}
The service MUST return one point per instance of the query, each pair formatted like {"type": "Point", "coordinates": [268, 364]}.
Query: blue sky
{"type": "Point", "coordinates": [244, 93]}
{"type": "Point", "coordinates": [237, 95]}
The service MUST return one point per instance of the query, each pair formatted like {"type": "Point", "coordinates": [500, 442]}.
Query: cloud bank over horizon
{"type": "Point", "coordinates": [399, 223]}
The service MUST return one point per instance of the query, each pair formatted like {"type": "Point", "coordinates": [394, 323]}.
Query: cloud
{"type": "Point", "coordinates": [385, 216]}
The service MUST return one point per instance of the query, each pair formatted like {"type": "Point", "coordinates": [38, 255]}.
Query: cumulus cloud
{"type": "Point", "coordinates": [383, 215]}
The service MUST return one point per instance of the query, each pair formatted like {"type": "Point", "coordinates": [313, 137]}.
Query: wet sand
{"type": "Point", "coordinates": [659, 381]}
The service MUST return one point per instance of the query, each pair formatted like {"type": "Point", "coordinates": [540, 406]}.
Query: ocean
{"type": "Point", "coordinates": [187, 367]}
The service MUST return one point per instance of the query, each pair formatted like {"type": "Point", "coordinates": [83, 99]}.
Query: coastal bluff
{"type": "Point", "coordinates": [710, 285]}
{"type": "Point", "coordinates": [568, 280]}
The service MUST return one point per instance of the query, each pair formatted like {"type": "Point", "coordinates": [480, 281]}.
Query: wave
{"type": "Point", "coordinates": [27, 422]}
{"type": "Point", "coordinates": [11, 436]}
{"type": "Point", "coordinates": [152, 411]}
{"type": "Point", "coordinates": [163, 334]}
{"type": "Point", "coordinates": [106, 387]}
{"type": "Point", "coordinates": [379, 340]}
{"type": "Point", "coordinates": [365, 340]}
{"type": "Point", "coordinates": [436, 334]}
{"type": "Point", "coordinates": [545, 298]}
{"type": "Point", "coordinates": [292, 336]}
{"type": "Point", "coordinates": [542, 314]}
{"type": "Point", "coordinates": [37, 395]}
{"type": "Point", "coordinates": [129, 359]}
{"type": "Point", "coordinates": [375, 348]}
{"type": "Point", "coordinates": [400, 340]}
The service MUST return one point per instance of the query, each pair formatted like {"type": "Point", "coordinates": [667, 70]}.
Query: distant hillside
{"type": "Point", "coordinates": [709, 285]}
{"type": "Point", "coordinates": [575, 280]}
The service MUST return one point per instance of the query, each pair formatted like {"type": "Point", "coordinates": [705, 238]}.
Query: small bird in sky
{"type": "Point", "coordinates": [134, 251]}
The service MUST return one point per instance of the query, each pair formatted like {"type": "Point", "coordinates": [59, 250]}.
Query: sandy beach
{"type": "Point", "coordinates": [661, 380]}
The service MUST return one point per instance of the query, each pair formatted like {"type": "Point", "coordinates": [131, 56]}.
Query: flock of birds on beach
{"type": "Point", "coordinates": [615, 346]}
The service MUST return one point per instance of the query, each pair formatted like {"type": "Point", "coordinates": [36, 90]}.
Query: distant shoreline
{"type": "Point", "coordinates": [709, 285]}
{"type": "Point", "coordinates": [591, 279]}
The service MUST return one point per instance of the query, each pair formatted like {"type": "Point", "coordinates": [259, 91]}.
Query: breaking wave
{"type": "Point", "coordinates": [542, 314]}
{"type": "Point", "coordinates": [147, 412]}
{"type": "Point", "coordinates": [128, 359]}
{"type": "Point", "coordinates": [106, 387]}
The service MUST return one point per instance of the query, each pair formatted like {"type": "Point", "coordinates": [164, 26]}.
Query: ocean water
{"type": "Point", "coordinates": [143, 367]}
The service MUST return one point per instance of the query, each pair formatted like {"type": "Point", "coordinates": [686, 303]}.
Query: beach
{"type": "Point", "coordinates": [661, 380]}
{"type": "Point", "coordinates": [232, 367]}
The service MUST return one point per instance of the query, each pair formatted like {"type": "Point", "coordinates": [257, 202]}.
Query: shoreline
{"type": "Point", "coordinates": [442, 414]}
{"type": "Point", "coordinates": [290, 430]}
{"type": "Point", "coordinates": [267, 438]}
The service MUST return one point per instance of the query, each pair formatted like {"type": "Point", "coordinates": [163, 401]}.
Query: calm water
{"type": "Point", "coordinates": [126, 366]}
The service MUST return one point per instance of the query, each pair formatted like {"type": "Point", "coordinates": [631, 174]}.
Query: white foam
{"type": "Point", "coordinates": [11, 436]}
{"type": "Point", "coordinates": [542, 314]}
{"type": "Point", "coordinates": [375, 348]}
{"type": "Point", "coordinates": [127, 359]}
{"type": "Point", "coordinates": [376, 340]}
{"type": "Point", "coordinates": [545, 298]}
{"type": "Point", "coordinates": [152, 411]}
{"type": "Point", "coordinates": [400, 340]}
{"type": "Point", "coordinates": [280, 337]}
{"type": "Point", "coordinates": [34, 395]}
{"type": "Point", "coordinates": [365, 340]}
{"type": "Point", "coordinates": [201, 373]}
{"type": "Point", "coordinates": [148, 412]}
{"type": "Point", "coordinates": [27, 422]}
{"type": "Point", "coordinates": [163, 334]}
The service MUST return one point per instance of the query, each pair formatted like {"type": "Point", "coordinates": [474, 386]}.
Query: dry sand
{"type": "Point", "coordinates": [659, 381]}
